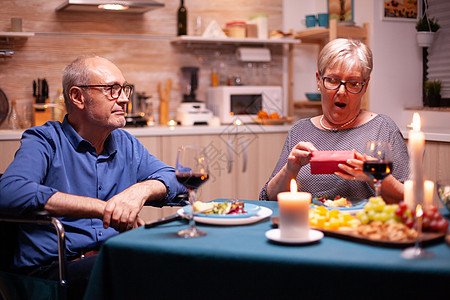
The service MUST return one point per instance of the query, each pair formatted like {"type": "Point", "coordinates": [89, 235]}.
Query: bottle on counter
{"type": "Point", "coordinates": [214, 76]}
{"type": "Point", "coordinates": [182, 19]}
{"type": "Point", "coordinates": [13, 119]}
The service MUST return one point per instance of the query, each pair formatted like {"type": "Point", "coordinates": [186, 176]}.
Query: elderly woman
{"type": "Point", "coordinates": [343, 75]}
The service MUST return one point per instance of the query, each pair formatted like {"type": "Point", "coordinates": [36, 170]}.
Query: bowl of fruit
{"type": "Point", "coordinates": [443, 190]}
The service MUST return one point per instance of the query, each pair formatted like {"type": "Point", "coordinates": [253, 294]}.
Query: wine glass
{"type": "Point", "coordinates": [417, 252]}
{"type": "Point", "coordinates": [191, 171]}
{"type": "Point", "coordinates": [378, 162]}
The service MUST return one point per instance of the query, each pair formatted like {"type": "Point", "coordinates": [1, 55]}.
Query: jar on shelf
{"type": "Point", "coordinates": [236, 29]}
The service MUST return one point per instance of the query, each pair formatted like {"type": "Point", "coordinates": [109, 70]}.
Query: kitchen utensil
{"type": "Point", "coordinates": [171, 218]}
{"type": "Point", "coordinates": [164, 220]}
{"type": "Point", "coordinates": [164, 95]}
{"type": "Point", "coordinates": [189, 83]}
{"type": "Point", "coordinates": [4, 107]}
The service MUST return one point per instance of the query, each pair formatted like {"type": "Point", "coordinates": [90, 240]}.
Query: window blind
{"type": "Point", "coordinates": [439, 53]}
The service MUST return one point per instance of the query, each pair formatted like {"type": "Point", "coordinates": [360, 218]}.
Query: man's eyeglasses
{"type": "Point", "coordinates": [354, 87]}
{"type": "Point", "coordinates": [115, 89]}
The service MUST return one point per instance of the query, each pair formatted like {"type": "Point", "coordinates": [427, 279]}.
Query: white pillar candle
{"type": "Point", "coordinates": [408, 194]}
{"type": "Point", "coordinates": [416, 144]}
{"type": "Point", "coordinates": [429, 192]}
{"type": "Point", "coordinates": [294, 212]}
{"type": "Point", "coordinates": [428, 187]}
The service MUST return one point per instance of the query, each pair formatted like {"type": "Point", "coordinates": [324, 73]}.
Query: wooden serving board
{"type": "Point", "coordinates": [279, 121]}
{"type": "Point", "coordinates": [352, 235]}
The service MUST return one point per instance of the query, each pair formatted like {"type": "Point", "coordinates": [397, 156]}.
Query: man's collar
{"type": "Point", "coordinates": [77, 141]}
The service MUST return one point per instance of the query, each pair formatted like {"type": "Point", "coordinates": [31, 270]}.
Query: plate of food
{"type": "Point", "coordinates": [246, 214]}
{"type": "Point", "coordinates": [349, 204]}
{"type": "Point", "coordinates": [229, 209]}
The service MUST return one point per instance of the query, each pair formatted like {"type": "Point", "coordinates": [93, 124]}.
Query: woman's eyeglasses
{"type": "Point", "coordinates": [115, 89]}
{"type": "Point", "coordinates": [354, 87]}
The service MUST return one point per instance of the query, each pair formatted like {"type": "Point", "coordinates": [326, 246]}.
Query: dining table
{"type": "Point", "coordinates": [240, 261]}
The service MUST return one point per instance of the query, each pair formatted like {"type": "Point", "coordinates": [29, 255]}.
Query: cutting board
{"type": "Point", "coordinates": [164, 95]}
{"type": "Point", "coordinates": [352, 235]}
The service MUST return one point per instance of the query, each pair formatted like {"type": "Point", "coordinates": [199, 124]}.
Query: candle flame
{"type": "Point", "coordinates": [419, 211]}
{"type": "Point", "coordinates": [416, 124]}
{"type": "Point", "coordinates": [293, 186]}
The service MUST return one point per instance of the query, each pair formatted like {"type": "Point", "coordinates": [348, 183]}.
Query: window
{"type": "Point", "coordinates": [439, 53]}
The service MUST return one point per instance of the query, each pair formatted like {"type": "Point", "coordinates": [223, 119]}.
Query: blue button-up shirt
{"type": "Point", "coordinates": [53, 158]}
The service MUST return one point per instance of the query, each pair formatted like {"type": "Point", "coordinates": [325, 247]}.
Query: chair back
{"type": "Point", "coordinates": [8, 238]}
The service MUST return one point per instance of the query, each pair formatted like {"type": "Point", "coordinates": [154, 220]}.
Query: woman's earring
{"type": "Point", "coordinates": [318, 88]}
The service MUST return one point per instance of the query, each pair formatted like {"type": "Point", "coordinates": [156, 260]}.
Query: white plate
{"type": "Point", "coordinates": [251, 210]}
{"type": "Point", "coordinates": [264, 212]}
{"type": "Point", "coordinates": [275, 235]}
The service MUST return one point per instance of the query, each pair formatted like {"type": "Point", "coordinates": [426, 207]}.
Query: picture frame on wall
{"type": "Point", "coordinates": [341, 10]}
{"type": "Point", "coordinates": [401, 10]}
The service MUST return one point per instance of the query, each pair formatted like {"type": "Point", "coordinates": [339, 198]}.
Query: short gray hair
{"type": "Point", "coordinates": [345, 53]}
{"type": "Point", "coordinates": [76, 73]}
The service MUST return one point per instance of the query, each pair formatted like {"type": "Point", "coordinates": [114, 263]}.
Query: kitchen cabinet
{"type": "Point", "coordinates": [7, 150]}
{"type": "Point", "coordinates": [240, 164]}
{"type": "Point", "coordinates": [321, 36]}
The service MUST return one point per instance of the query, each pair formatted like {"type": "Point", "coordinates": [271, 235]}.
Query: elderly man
{"type": "Point", "coordinates": [86, 170]}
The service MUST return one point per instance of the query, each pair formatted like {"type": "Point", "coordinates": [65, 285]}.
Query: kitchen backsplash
{"type": "Point", "coordinates": [138, 43]}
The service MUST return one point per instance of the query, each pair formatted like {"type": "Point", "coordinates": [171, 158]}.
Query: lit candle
{"type": "Point", "coordinates": [429, 192]}
{"type": "Point", "coordinates": [294, 212]}
{"type": "Point", "coordinates": [408, 194]}
{"type": "Point", "coordinates": [416, 144]}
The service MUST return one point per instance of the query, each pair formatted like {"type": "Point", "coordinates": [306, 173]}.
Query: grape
{"type": "Point", "coordinates": [409, 222]}
{"type": "Point", "coordinates": [377, 210]}
{"type": "Point", "coordinates": [433, 220]}
{"type": "Point", "coordinates": [442, 224]}
{"type": "Point", "coordinates": [437, 216]}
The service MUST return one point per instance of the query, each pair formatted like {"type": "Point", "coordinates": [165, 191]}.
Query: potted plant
{"type": "Point", "coordinates": [432, 93]}
{"type": "Point", "coordinates": [426, 28]}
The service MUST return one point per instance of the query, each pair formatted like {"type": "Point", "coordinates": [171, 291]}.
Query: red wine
{"type": "Point", "coordinates": [377, 169]}
{"type": "Point", "coordinates": [192, 180]}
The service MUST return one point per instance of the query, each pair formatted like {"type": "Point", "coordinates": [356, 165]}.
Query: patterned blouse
{"type": "Point", "coordinates": [380, 128]}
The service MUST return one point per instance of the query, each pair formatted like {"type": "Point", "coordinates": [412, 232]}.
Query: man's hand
{"type": "Point", "coordinates": [121, 211]}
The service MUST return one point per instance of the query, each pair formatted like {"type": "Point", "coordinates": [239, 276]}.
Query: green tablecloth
{"type": "Point", "coordinates": [239, 261]}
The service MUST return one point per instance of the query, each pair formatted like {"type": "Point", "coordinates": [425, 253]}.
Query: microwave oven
{"type": "Point", "coordinates": [232, 103]}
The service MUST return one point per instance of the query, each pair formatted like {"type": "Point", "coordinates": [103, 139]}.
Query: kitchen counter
{"type": "Point", "coordinates": [178, 130]}
{"type": "Point", "coordinates": [431, 134]}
